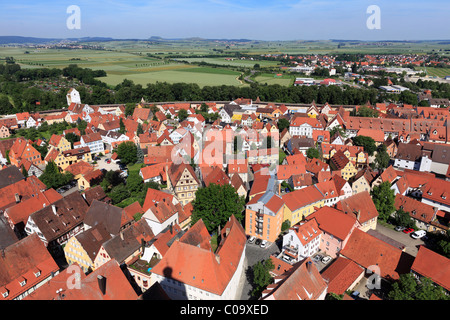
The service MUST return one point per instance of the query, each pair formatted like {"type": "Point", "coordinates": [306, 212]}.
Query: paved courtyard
{"type": "Point", "coordinates": [253, 254]}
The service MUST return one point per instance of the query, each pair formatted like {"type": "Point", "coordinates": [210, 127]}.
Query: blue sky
{"type": "Point", "coordinates": [250, 19]}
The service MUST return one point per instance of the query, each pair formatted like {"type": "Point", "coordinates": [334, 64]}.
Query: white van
{"type": "Point", "coordinates": [418, 234]}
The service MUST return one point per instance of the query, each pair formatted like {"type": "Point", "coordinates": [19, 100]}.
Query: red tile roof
{"type": "Point", "coordinates": [22, 261]}
{"type": "Point", "coordinates": [212, 272]}
{"type": "Point", "coordinates": [391, 261]}
{"type": "Point", "coordinates": [359, 205]}
{"type": "Point", "coordinates": [341, 274]}
{"type": "Point", "coordinates": [334, 222]}
{"type": "Point", "coordinates": [300, 198]}
{"type": "Point", "coordinates": [302, 282]}
{"type": "Point", "coordinates": [20, 212]}
{"type": "Point", "coordinates": [117, 285]}
{"type": "Point", "coordinates": [432, 265]}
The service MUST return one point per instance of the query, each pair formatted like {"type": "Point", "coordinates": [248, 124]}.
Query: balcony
{"type": "Point", "coordinates": [291, 249]}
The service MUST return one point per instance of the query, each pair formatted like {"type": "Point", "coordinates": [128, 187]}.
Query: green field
{"type": "Point", "coordinates": [129, 59]}
{"type": "Point", "coordinates": [235, 62]}
{"type": "Point", "coordinates": [124, 65]}
{"type": "Point", "coordinates": [269, 79]}
{"type": "Point", "coordinates": [437, 72]}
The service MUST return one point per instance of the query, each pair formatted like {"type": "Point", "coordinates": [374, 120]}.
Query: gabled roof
{"type": "Point", "coordinates": [154, 196]}
{"type": "Point", "coordinates": [128, 241]}
{"type": "Point", "coordinates": [95, 193]}
{"type": "Point", "coordinates": [416, 209]}
{"type": "Point", "coordinates": [430, 264]}
{"type": "Point", "coordinates": [306, 231]}
{"type": "Point", "coordinates": [391, 261]}
{"type": "Point", "coordinates": [112, 217]}
{"type": "Point", "coordinates": [302, 282]}
{"type": "Point", "coordinates": [24, 189]}
{"type": "Point", "coordinates": [80, 167]}
{"type": "Point", "coordinates": [216, 176]}
{"type": "Point", "coordinates": [212, 272]}
{"type": "Point", "coordinates": [20, 212]}
{"type": "Point", "coordinates": [299, 198]}
{"type": "Point", "coordinates": [10, 175]}
{"type": "Point", "coordinates": [359, 205]}
{"type": "Point", "coordinates": [24, 260]}
{"type": "Point", "coordinates": [60, 217]}
{"type": "Point", "coordinates": [197, 236]}
{"type": "Point", "coordinates": [339, 160]}
{"type": "Point", "coordinates": [341, 274]}
{"type": "Point", "coordinates": [117, 286]}
{"type": "Point", "coordinates": [92, 239]}
{"type": "Point", "coordinates": [334, 222]}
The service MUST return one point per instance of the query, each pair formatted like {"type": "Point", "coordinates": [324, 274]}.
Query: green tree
{"type": "Point", "coordinates": [283, 124]}
{"type": "Point", "coordinates": [337, 129]}
{"type": "Point", "coordinates": [261, 276]}
{"type": "Point", "coordinates": [367, 112]}
{"type": "Point", "coordinates": [24, 172]}
{"type": "Point", "coordinates": [215, 204]}
{"type": "Point", "coordinates": [139, 155]}
{"type": "Point", "coordinates": [72, 138]}
{"type": "Point", "coordinates": [285, 225]}
{"type": "Point", "coordinates": [367, 143]}
{"type": "Point", "coordinates": [53, 178]}
{"type": "Point", "coordinates": [139, 129]}
{"type": "Point", "coordinates": [313, 153]}
{"type": "Point", "coordinates": [182, 115]}
{"type": "Point", "coordinates": [384, 199]}
{"type": "Point", "coordinates": [127, 152]}
{"type": "Point", "coordinates": [382, 158]}
{"type": "Point", "coordinates": [122, 128]}
{"type": "Point", "coordinates": [119, 193]}
{"type": "Point", "coordinates": [402, 218]}
{"type": "Point", "coordinates": [410, 288]}
{"type": "Point", "coordinates": [129, 109]}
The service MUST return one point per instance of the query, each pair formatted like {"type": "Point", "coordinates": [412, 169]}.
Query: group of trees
{"type": "Point", "coordinates": [53, 178]}
{"type": "Point", "coordinates": [215, 204]}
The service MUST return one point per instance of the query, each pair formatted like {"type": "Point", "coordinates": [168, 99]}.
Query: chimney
{"type": "Point", "coordinates": [121, 235]}
{"type": "Point", "coordinates": [308, 266]}
{"type": "Point", "coordinates": [17, 197]}
{"type": "Point", "coordinates": [54, 209]}
{"type": "Point", "coordinates": [227, 231]}
{"type": "Point", "coordinates": [101, 283]}
{"type": "Point", "coordinates": [358, 215]}
{"type": "Point", "coordinates": [217, 258]}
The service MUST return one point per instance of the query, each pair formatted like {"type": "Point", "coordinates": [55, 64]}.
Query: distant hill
{"type": "Point", "coordinates": [25, 40]}
{"type": "Point", "coordinates": [33, 40]}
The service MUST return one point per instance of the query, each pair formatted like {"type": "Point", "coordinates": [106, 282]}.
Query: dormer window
{"type": "Point", "coordinates": [5, 293]}
{"type": "Point", "coordinates": [23, 282]}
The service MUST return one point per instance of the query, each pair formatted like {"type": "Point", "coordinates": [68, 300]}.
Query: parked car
{"type": "Point", "coordinates": [418, 234]}
{"type": "Point", "coordinates": [408, 230]}
{"type": "Point", "coordinates": [258, 242]}
{"type": "Point", "coordinates": [326, 259]}
{"type": "Point", "coordinates": [263, 243]}
{"type": "Point", "coordinates": [287, 259]}
{"type": "Point", "coordinates": [399, 228]}
{"type": "Point", "coordinates": [251, 239]}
